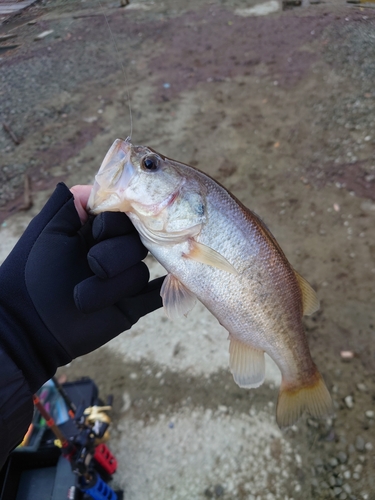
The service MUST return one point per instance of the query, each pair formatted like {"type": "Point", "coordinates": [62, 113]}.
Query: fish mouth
{"type": "Point", "coordinates": [112, 178]}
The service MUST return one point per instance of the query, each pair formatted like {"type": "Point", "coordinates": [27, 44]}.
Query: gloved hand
{"type": "Point", "coordinates": [66, 289]}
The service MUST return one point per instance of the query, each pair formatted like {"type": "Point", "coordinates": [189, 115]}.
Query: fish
{"type": "Point", "coordinates": [218, 251]}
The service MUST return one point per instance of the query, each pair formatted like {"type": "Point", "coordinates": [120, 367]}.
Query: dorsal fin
{"type": "Point", "coordinates": [310, 300]}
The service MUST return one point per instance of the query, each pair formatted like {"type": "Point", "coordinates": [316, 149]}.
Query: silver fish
{"type": "Point", "coordinates": [218, 251]}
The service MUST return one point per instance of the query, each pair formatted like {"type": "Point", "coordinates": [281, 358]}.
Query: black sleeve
{"type": "Point", "coordinates": [16, 406]}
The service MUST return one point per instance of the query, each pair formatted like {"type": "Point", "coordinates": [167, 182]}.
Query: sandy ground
{"type": "Point", "coordinates": [280, 109]}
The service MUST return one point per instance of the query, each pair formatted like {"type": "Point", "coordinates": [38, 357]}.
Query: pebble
{"type": "Point", "coordinates": [347, 488]}
{"type": "Point", "coordinates": [349, 401]}
{"type": "Point", "coordinates": [342, 457]}
{"type": "Point", "coordinates": [312, 423]}
{"type": "Point", "coordinates": [369, 414]}
{"type": "Point", "coordinates": [218, 490]}
{"type": "Point", "coordinates": [351, 449]}
{"type": "Point", "coordinates": [43, 34]}
{"type": "Point", "coordinates": [319, 466]}
{"type": "Point", "coordinates": [315, 484]}
{"type": "Point", "coordinates": [337, 491]}
{"type": "Point", "coordinates": [333, 462]}
{"type": "Point", "coordinates": [362, 387]}
{"type": "Point", "coordinates": [359, 443]}
{"type": "Point", "coordinates": [332, 481]}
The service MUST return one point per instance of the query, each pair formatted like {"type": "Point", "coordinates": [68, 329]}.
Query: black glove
{"type": "Point", "coordinates": [66, 289]}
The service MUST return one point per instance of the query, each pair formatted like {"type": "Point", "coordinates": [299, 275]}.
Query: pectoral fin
{"type": "Point", "coordinates": [246, 364]}
{"type": "Point", "coordinates": [310, 300]}
{"type": "Point", "coordinates": [206, 255]}
{"type": "Point", "coordinates": [177, 299]}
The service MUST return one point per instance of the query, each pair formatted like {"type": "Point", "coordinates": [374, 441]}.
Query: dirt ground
{"type": "Point", "coordinates": [281, 110]}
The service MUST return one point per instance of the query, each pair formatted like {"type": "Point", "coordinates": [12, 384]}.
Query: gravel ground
{"type": "Point", "coordinates": [280, 109]}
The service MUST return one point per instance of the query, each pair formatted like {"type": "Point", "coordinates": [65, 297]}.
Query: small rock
{"type": "Point", "coordinates": [333, 462]}
{"type": "Point", "coordinates": [337, 491]}
{"type": "Point", "coordinates": [208, 493]}
{"type": "Point", "coordinates": [351, 449]}
{"type": "Point", "coordinates": [332, 481]}
{"type": "Point", "coordinates": [324, 485]}
{"type": "Point", "coordinates": [368, 446]}
{"type": "Point", "coordinates": [312, 423]}
{"type": "Point", "coordinates": [127, 402]}
{"type": "Point", "coordinates": [359, 443]}
{"type": "Point", "coordinates": [43, 34]}
{"type": "Point", "coordinates": [346, 355]}
{"type": "Point", "coordinates": [369, 414]}
{"type": "Point", "coordinates": [342, 457]}
{"type": "Point", "coordinates": [349, 401]}
{"type": "Point", "coordinates": [362, 387]}
{"type": "Point", "coordinates": [319, 469]}
{"type": "Point", "coordinates": [347, 474]}
{"type": "Point", "coordinates": [218, 491]}
{"type": "Point", "coordinates": [343, 496]}
{"type": "Point", "coordinates": [347, 488]}
{"type": "Point", "coordinates": [314, 483]}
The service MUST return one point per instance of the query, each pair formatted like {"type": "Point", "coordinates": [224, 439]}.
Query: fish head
{"type": "Point", "coordinates": [156, 192]}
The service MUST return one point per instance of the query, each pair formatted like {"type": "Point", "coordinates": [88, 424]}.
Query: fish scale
{"type": "Point", "coordinates": [219, 252]}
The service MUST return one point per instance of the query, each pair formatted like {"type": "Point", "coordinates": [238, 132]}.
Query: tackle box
{"type": "Point", "coordinates": [38, 470]}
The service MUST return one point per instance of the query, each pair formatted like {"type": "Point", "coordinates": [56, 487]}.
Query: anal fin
{"type": "Point", "coordinates": [177, 299]}
{"type": "Point", "coordinates": [246, 364]}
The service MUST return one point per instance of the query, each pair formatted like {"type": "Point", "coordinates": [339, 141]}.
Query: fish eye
{"type": "Point", "coordinates": [150, 163]}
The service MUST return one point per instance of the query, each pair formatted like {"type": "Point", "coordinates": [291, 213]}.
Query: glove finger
{"type": "Point", "coordinates": [146, 301]}
{"type": "Point", "coordinates": [58, 215]}
{"type": "Point", "coordinates": [94, 294]}
{"type": "Point", "coordinates": [114, 255]}
{"type": "Point", "coordinates": [109, 224]}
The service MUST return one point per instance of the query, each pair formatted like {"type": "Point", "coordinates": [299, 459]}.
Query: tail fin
{"type": "Point", "coordinates": [293, 401]}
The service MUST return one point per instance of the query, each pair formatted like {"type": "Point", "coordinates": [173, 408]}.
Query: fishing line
{"type": "Point", "coordinates": [121, 64]}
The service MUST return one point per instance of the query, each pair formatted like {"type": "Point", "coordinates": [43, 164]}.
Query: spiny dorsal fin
{"type": "Point", "coordinates": [310, 300]}
{"type": "Point", "coordinates": [246, 364]}
{"type": "Point", "coordinates": [177, 299]}
{"type": "Point", "coordinates": [206, 255]}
